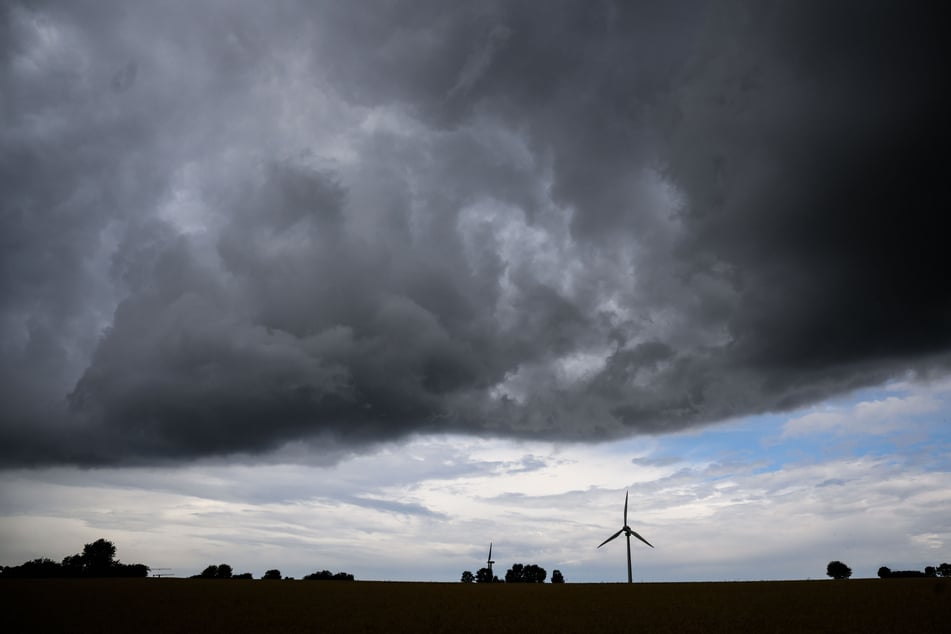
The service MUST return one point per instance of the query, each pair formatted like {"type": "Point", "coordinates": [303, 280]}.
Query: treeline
{"type": "Point", "coordinates": [224, 571]}
{"type": "Point", "coordinates": [944, 570]}
{"type": "Point", "coordinates": [96, 560]}
{"type": "Point", "coordinates": [326, 575]}
{"type": "Point", "coordinates": [518, 573]}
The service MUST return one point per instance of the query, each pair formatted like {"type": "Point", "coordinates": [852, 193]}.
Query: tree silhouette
{"type": "Point", "coordinates": [531, 573]}
{"type": "Point", "coordinates": [96, 560]}
{"type": "Point", "coordinates": [556, 577]}
{"type": "Point", "coordinates": [514, 574]}
{"type": "Point", "coordinates": [838, 570]}
{"type": "Point", "coordinates": [99, 557]}
{"type": "Point", "coordinates": [221, 571]}
{"type": "Point", "coordinates": [944, 570]}
{"type": "Point", "coordinates": [326, 575]}
{"type": "Point", "coordinates": [73, 565]}
{"type": "Point", "coordinates": [35, 569]}
{"type": "Point", "coordinates": [884, 572]}
{"type": "Point", "coordinates": [535, 574]}
{"type": "Point", "coordinates": [272, 574]}
{"type": "Point", "coordinates": [467, 577]}
{"type": "Point", "coordinates": [132, 570]}
{"type": "Point", "coordinates": [484, 575]}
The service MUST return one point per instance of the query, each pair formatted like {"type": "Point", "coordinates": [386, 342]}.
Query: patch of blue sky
{"type": "Point", "coordinates": [741, 441]}
{"type": "Point", "coordinates": [899, 422]}
{"type": "Point", "coordinates": [914, 426]}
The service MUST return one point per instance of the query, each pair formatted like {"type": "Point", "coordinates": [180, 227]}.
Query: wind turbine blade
{"type": "Point", "coordinates": [634, 533]}
{"type": "Point", "coordinates": [490, 550]}
{"type": "Point", "coordinates": [610, 538]}
{"type": "Point", "coordinates": [625, 508]}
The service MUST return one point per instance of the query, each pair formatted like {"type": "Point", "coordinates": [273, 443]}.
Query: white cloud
{"type": "Point", "coordinates": [426, 510]}
{"type": "Point", "coordinates": [878, 417]}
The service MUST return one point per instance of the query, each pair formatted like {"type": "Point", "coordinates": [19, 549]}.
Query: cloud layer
{"type": "Point", "coordinates": [230, 229]}
{"type": "Point", "coordinates": [739, 500]}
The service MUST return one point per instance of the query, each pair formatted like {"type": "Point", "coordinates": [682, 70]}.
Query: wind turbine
{"type": "Point", "coordinates": [627, 532]}
{"type": "Point", "coordinates": [489, 563]}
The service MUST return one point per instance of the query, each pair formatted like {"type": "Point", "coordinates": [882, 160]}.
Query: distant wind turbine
{"type": "Point", "coordinates": [489, 563]}
{"type": "Point", "coordinates": [627, 532]}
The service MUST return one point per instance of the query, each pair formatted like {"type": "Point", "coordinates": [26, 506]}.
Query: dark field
{"type": "Point", "coordinates": [193, 605]}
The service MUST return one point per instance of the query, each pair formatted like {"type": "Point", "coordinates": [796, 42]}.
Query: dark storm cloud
{"type": "Point", "coordinates": [228, 227]}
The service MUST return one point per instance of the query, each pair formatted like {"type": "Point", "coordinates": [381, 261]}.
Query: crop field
{"type": "Point", "coordinates": [196, 605]}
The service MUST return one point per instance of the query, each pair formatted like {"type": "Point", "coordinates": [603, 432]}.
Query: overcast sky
{"type": "Point", "coordinates": [365, 286]}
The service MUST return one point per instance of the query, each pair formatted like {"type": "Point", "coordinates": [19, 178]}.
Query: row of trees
{"type": "Point", "coordinates": [98, 559]}
{"type": "Point", "coordinates": [944, 570]}
{"type": "Point", "coordinates": [224, 571]}
{"type": "Point", "coordinates": [838, 570]}
{"type": "Point", "coordinates": [518, 573]}
{"type": "Point", "coordinates": [326, 575]}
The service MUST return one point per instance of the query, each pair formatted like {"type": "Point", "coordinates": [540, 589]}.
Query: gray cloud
{"type": "Point", "coordinates": [479, 60]}
{"type": "Point", "coordinates": [227, 229]}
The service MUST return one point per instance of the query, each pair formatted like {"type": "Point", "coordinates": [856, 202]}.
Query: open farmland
{"type": "Point", "coordinates": [173, 605]}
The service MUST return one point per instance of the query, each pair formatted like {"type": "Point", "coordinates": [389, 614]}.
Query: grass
{"type": "Point", "coordinates": [197, 605]}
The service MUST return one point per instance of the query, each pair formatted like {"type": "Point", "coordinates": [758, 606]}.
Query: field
{"type": "Point", "coordinates": [195, 605]}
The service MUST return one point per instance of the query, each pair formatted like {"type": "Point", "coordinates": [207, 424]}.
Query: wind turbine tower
{"type": "Point", "coordinates": [627, 533]}
{"type": "Point", "coordinates": [489, 563]}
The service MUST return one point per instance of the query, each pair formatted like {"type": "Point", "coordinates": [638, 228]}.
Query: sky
{"type": "Point", "coordinates": [367, 286]}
